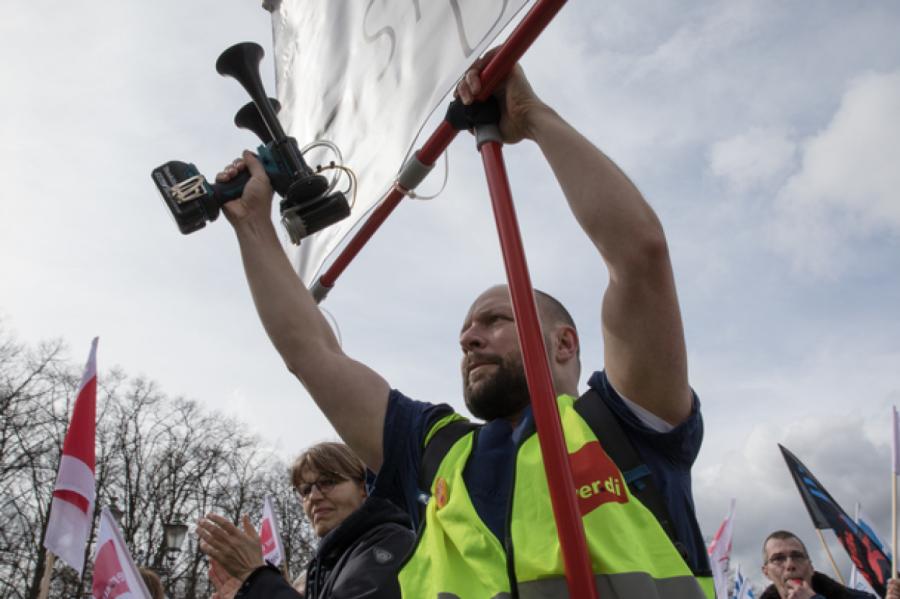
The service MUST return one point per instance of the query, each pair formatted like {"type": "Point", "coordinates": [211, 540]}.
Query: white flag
{"type": "Point", "coordinates": [366, 76]}
{"type": "Point", "coordinates": [743, 589]}
{"type": "Point", "coordinates": [270, 534]}
{"type": "Point", "coordinates": [858, 583]}
{"type": "Point", "coordinates": [115, 574]}
{"type": "Point", "coordinates": [720, 551]}
{"type": "Point", "coordinates": [72, 507]}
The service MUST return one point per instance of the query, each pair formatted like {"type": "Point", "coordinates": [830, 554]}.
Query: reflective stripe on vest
{"type": "Point", "coordinates": [458, 556]}
{"type": "Point", "coordinates": [708, 585]}
{"type": "Point", "coordinates": [629, 585]}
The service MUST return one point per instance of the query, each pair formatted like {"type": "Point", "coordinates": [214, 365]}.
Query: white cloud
{"type": "Point", "coordinates": [703, 38]}
{"type": "Point", "coordinates": [753, 159]}
{"type": "Point", "coordinates": [847, 187]}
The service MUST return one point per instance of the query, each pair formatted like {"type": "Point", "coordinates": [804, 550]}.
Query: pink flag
{"type": "Point", "coordinates": [115, 575]}
{"type": "Point", "coordinates": [896, 440]}
{"type": "Point", "coordinates": [72, 508]}
{"type": "Point", "coordinates": [720, 551]}
{"type": "Point", "coordinates": [269, 536]}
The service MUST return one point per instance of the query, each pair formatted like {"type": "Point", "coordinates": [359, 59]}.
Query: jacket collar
{"type": "Point", "coordinates": [374, 511]}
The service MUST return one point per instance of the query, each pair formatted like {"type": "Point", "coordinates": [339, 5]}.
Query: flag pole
{"type": "Point", "coordinates": [893, 523]}
{"type": "Point", "coordinates": [570, 527]}
{"type": "Point", "coordinates": [500, 64]}
{"type": "Point", "coordinates": [49, 562]}
{"type": "Point", "coordinates": [894, 469]}
{"type": "Point", "coordinates": [830, 557]}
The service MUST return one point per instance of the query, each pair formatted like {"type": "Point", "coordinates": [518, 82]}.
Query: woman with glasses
{"type": "Point", "coordinates": [362, 540]}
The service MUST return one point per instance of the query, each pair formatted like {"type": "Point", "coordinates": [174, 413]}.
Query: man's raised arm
{"type": "Point", "coordinates": [352, 396]}
{"type": "Point", "coordinates": [643, 337]}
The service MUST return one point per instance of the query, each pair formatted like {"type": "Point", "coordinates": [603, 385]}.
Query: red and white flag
{"type": "Point", "coordinates": [720, 552]}
{"type": "Point", "coordinates": [72, 508]}
{"type": "Point", "coordinates": [269, 535]}
{"type": "Point", "coordinates": [115, 574]}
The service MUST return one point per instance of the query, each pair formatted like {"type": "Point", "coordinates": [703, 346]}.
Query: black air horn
{"type": "Point", "coordinates": [307, 204]}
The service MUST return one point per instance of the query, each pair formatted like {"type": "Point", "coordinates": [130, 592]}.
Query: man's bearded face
{"type": "Point", "coordinates": [494, 386]}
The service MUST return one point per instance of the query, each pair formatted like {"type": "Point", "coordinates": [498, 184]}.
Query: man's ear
{"type": "Point", "coordinates": [566, 344]}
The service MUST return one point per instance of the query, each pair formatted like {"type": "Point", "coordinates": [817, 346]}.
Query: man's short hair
{"type": "Point", "coordinates": [781, 535]}
{"type": "Point", "coordinates": [553, 309]}
{"type": "Point", "coordinates": [330, 457]}
{"type": "Point", "coordinates": [555, 313]}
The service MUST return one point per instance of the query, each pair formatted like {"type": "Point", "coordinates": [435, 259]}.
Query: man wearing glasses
{"type": "Point", "coordinates": [786, 563]}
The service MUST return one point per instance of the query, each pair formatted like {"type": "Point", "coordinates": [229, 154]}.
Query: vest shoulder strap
{"type": "Point", "coordinates": [619, 448]}
{"type": "Point", "coordinates": [438, 446]}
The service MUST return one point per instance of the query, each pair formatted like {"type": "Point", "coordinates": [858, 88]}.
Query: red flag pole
{"type": "Point", "coordinates": [579, 573]}
{"type": "Point", "coordinates": [423, 160]}
{"type": "Point", "coordinates": [570, 528]}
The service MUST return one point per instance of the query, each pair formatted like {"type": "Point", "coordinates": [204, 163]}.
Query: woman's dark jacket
{"type": "Point", "coordinates": [358, 559]}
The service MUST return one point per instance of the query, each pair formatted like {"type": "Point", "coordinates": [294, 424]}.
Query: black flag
{"type": "Point", "coordinates": [825, 512]}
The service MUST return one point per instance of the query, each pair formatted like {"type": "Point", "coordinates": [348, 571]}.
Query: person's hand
{"type": "Point", "coordinates": [517, 100]}
{"type": "Point", "coordinates": [256, 201]}
{"type": "Point", "coordinates": [798, 589]}
{"type": "Point", "coordinates": [225, 584]}
{"type": "Point", "coordinates": [237, 551]}
{"type": "Point", "coordinates": [893, 589]}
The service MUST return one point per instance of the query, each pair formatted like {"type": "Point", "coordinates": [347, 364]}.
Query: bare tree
{"type": "Point", "coordinates": [159, 459]}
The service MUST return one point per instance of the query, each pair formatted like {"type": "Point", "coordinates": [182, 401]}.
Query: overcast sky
{"type": "Point", "coordinates": [764, 133]}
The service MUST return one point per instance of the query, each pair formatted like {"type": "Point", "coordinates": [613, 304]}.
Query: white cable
{"type": "Point", "coordinates": [411, 194]}
{"type": "Point", "coordinates": [324, 143]}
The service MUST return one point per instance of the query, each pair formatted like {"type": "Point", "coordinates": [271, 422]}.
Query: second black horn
{"type": "Point", "coordinates": [248, 117]}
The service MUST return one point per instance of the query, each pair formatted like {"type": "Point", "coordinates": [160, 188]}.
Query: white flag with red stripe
{"type": "Point", "coordinates": [720, 552]}
{"type": "Point", "coordinates": [72, 508]}
{"type": "Point", "coordinates": [270, 535]}
{"type": "Point", "coordinates": [115, 574]}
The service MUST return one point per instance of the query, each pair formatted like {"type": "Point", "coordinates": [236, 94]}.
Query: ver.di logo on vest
{"type": "Point", "coordinates": [597, 480]}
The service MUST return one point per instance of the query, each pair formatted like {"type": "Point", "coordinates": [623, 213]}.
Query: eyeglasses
{"type": "Point", "coordinates": [324, 484]}
{"type": "Point", "coordinates": [780, 558]}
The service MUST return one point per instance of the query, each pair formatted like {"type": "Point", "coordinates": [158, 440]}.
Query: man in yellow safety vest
{"type": "Point", "coordinates": [488, 526]}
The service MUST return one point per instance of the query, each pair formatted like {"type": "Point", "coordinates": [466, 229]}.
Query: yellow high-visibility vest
{"type": "Point", "coordinates": [457, 555]}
